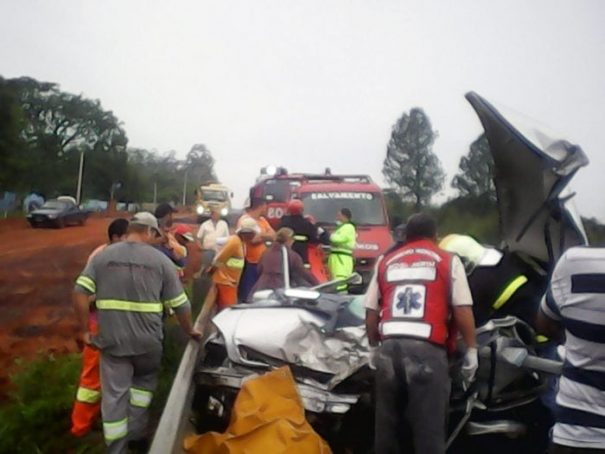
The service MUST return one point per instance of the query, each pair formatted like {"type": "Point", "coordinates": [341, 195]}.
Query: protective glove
{"type": "Point", "coordinates": [372, 357]}
{"type": "Point", "coordinates": [469, 366]}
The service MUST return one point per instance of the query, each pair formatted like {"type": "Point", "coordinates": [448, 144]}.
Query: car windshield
{"type": "Point", "coordinates": [366, 207]}
{"type": "Point", "coordinates": [214, 196]}
{"type": "Point", "coordinates": [53, 205]}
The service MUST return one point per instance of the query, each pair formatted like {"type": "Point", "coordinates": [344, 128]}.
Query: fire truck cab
{"type": "Point", "coordinates": [323, 195]}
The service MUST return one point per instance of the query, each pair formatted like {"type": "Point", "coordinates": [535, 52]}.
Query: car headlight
{"type": "Point", "coordinates": [224, 212]}
{"type": "Point", "coordinates": [52, 216]}
{"type": "Point", "coordinates": [200, 209]}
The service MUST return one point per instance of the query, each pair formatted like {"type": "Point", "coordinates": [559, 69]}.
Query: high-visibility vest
{"type": "Point", "coordinates": [415, 287]}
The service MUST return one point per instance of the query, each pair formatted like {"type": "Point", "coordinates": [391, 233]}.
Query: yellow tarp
{"type": "Point", "coordinates": [267, 418]}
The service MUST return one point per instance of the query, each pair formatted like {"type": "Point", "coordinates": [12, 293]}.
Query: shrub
{"type": "Point", "coordinates": [36, 418]}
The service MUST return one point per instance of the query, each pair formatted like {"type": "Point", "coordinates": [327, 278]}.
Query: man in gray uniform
{"type": "Point", "coordinates": [132, 281]}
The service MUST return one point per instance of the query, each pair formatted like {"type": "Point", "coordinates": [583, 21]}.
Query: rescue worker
{"type": "Point", "coordinates": [87, 406]}
{"type": "Point", "coordinates": [501, 282]}
{"type": "Point", "coordinates": [132, 281]}
{"type": "Point", "coordinates": [305, 232]}
{"type": "Point", "coordinates": [342, 242]}
{"type": "Point", "coordinates": [271, 266]}
{"type": "Point", "coordinates": [256, 248]}
{"type": "Point", "coordinates": [212, 232]}
{"type": "Point", "coordinates": [228, 265]}
{"type": "Point", "coordinates": [415, 293]}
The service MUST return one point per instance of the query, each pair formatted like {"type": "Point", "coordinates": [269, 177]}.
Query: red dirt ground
{"type": "Point", "coordinates": [37, 271]}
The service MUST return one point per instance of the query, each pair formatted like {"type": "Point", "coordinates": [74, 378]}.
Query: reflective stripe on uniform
{"type": "Point", "coordinates": [510, 289]}
{"type": "Point", "coordinates": [235, 263]}
{"type": "Point", "coordinates": [301, 238]}
{"type": "Point", "coordinates": [87, 283]}
{"type": "Point", "coordinates": [115, 429]}
{"type": "Point", "coordinates": [130, 306]}
{"type": "Point", "coordinates": [402, 328]}
{"type": "Point", "coordinates": [339, 251]}
{"type": "Point", "coordinates": [89, 396]}
{"type": "Point", "coordinates": [140, 397]}
{"type": "Point", "coordinates": [178, 301]}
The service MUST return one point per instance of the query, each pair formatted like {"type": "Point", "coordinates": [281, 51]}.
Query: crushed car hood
{"type": "Point", "coordinates": [532, 172]}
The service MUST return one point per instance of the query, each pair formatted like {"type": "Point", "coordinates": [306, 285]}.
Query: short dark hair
{"type": "Point", "coordinates": [118, 227]}
{"type": "Point", "coordinates": [346, 212]}
{"type": "Point", "coordinates": [419, 226]}
{"type": "Point", "coordinates": [163, 210]}
{"type": "Point", "coordinates": [256, 202]}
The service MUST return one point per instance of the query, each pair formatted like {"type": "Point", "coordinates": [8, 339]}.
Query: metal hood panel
{"type": "Point", "coordinates": [532, 172]}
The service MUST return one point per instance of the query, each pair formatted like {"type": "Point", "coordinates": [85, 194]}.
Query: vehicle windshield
{"type": "Point", "coordinates": [53, 205]}
{"type": "Point", "coordinates": [366, 207]}
{"type": "Point", "coordinates": [277, 190]}
{"type": "Point", "coordinates": [214, 196]}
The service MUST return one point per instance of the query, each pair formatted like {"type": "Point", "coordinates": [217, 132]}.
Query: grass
{"type": "Point", "coordinates": [36, 418]}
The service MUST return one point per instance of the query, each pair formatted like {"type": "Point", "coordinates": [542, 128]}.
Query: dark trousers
{"type": "Point", "coordinates": [413, 388]}
{"type": "Point", "coordinates": [247, 281]}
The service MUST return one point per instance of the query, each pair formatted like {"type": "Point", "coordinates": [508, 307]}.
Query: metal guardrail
{"type": "Point", "coordinates": [173, 423]}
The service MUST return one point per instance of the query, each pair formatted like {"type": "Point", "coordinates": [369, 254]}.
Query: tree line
{"type": "Point", "coordinates": [44, 132]}
{"type": "Point", "coordinates": [415, 175]}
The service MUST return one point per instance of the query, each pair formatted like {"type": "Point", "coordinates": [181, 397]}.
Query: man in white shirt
{"type": "Point", "coordinates": [212, 236]}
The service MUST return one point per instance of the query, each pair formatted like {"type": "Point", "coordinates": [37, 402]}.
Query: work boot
{"type": "Point", "coordinates": [140, 446]}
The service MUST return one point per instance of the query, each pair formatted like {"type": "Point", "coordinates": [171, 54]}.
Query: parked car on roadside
{"type": "Point", "coordinates": [58, 213]}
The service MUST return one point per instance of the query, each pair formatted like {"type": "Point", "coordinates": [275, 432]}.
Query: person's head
{"type": "Point", "coordinates": [144, 226]}
{"type": "Point", "coordinates": [117, 230]}
{"type": "Point", "coordinates": [247, 230]}
{"type": "Point", "coordinates": [183, 235]}
{"type": "Point", "coordinates": [258, 207]}
{"type": "Point", "coordinates": [295, 207]}
{"type": "Point", "coordinates": [163, 214]}
{"type": "Point", "coordinates": [344, 215]}
{"type": "Point", "coordinates": [215, 214]}
{"type": "Point", "coordinates": [421, 226]}
{"type": "Point", "coordinates": [471, 252]}
{"type": "Point", "coordinates": [285, 236]}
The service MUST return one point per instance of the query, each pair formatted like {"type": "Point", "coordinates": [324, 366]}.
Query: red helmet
{"type": "Point", "coordinates": [295, 207]}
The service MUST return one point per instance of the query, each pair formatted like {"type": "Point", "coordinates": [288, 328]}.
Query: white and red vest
{"type": "Point", "coordinates": [415, 288]}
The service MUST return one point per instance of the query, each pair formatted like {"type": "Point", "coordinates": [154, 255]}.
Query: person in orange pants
{"type": "Point", "coordinates": [87, 406]}
{"type": "Point", "coordinates": [229, 263]}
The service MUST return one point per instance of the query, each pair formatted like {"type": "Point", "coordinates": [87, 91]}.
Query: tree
{"type": "Point", "coordinates": [475, 177]}
{"type": "Point", "coordinates": [198, 167]}
{"type": "Point", "coordinates": [410, 166]}
{"type": "Point", "coordinates": [58, 127]}
{"type": "Point", "coordinates": [12, 145]}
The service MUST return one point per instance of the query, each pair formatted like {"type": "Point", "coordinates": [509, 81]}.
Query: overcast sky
{"type": "Point", "coordinates": [309, 84]}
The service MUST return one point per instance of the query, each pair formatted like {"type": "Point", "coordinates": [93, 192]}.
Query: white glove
{"type": "Point", "coordinates": [372, 357]}
{"type": "Point", "coordinates": [470, 365]}
{"type": "Point", "coordinates": [561, 352]}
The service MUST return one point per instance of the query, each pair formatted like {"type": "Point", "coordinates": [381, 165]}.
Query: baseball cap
{"type": "Point", "coordinates": [184, 231]}
{"type": "Point", "coordinates": [163, 210]}
{"type": "Point", "coordinates": [248, 225]}
{"type": "Point", "coordinates": [147, 219]}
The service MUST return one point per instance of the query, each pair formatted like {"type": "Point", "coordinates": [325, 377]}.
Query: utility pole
{"type": "Point", "coordinates": [185, 188]}
{"type": "Point", "coordinates": [155, 193]}
{"type": "Point", "coordinates": [79, 190]}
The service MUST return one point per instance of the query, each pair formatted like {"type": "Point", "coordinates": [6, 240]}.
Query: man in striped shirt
{"type": "Point", "coordinates": [574, 309]}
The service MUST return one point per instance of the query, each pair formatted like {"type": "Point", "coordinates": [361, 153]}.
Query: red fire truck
{"type": "Point", "coordinates": [323, 195]}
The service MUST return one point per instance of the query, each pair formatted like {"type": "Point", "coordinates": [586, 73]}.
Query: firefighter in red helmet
{"type": "Point", "coordinates": [306, 233]}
